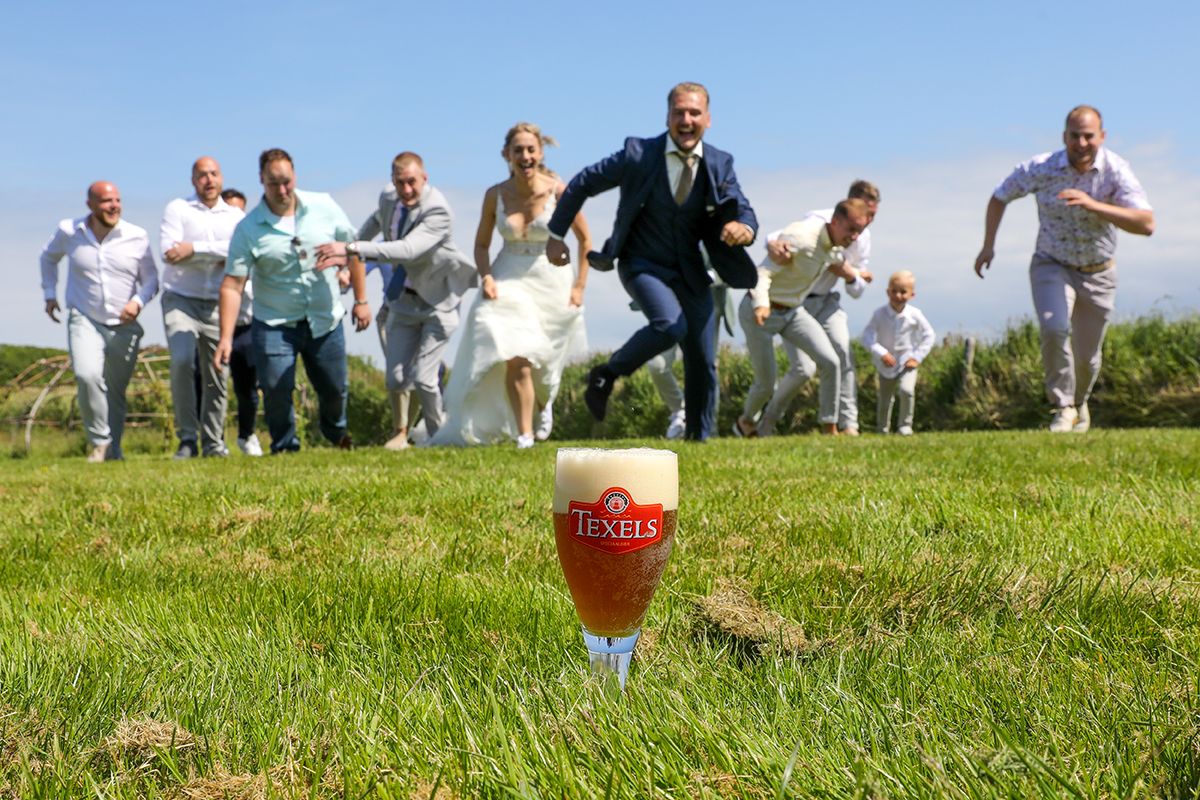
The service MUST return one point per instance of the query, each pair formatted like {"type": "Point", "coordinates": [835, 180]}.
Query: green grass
{"type": "Point", "coordinates": [978, 615]}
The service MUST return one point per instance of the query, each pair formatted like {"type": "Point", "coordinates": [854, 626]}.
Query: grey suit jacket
{"type": "Point", "coordinates": [437, 269]}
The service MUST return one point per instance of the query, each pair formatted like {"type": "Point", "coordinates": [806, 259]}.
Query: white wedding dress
{"type": "Point", "coordinates": [531, 317]}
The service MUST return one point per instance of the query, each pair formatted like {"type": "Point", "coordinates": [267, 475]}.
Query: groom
{"type": "Point", "coordinates": [676, 194]}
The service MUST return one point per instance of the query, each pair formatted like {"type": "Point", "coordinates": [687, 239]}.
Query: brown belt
{"type": "Point", "coordinates": [1090, 268]}
{"type": "Point", "coordinates": [781, 307]}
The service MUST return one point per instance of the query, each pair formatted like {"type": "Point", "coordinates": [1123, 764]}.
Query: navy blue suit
{"type": "Point", "coordinates": [656, 245]}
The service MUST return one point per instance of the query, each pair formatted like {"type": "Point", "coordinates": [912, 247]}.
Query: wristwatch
{"type": "Point", "coordinates": [352, 248]}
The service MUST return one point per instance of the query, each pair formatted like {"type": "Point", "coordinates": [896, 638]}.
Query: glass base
{"type": "Point", "coordinates": [610, 655]}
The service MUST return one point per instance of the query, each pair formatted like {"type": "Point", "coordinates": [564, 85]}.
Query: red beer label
{"type": "Point", "coordinates": [615, 524]}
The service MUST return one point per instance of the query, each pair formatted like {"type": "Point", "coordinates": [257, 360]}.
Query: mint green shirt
{"type": "Point", "coordinates": [287, 287]}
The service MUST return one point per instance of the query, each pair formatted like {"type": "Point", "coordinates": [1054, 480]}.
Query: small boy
{"type": "Point", "coordinates": [899, 338]}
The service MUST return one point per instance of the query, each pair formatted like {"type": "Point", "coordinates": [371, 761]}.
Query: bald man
{"type": "Point", "coordinates": [194, 237]}
{"type": "Point", "coordinates": [110, 278]}
{"type": "Point", "coordinates": [1084, 193]}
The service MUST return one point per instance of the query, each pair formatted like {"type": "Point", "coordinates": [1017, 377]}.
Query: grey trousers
{"type": "Point", "coordinates": [906, 385]}
{"type": "Point", "coordinates": [412, 411]}
{"type": "Point", "coordinates": [1072, 309]}
{"type": "Point", "coordinates": [103, 358]}
{"type": "Point", "coordinates": [417, 335]}
{"type": "Point", "coordinates": [193, 324]}
{"type": "Point", "coordinates": [827, 310]}
{"type": "Point", "coordinates": [802, 330]}
{"type": "Point", "coordinates": [662, 374]}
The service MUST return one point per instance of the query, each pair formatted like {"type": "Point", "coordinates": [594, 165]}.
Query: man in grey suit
{"type": "Point", "coordinates": [425, 291]}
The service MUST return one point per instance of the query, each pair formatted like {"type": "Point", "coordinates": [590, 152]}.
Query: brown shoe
{"type": "Point", "coordinates": [744, 428]}
{"type": "Point", "coordinates": [345, 443]}
{"type": "Point", "coordinates": [397, 442]}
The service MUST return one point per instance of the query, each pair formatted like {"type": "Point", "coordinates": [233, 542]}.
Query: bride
{"type": "Point", "coordinates": [527, 320]}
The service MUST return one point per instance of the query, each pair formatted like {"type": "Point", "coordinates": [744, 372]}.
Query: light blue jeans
{"type": "Point", "coordinates": [103, 358]}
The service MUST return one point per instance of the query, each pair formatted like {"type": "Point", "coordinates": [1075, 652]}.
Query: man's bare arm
{"type": "Point", "coordinates": [991, 224]}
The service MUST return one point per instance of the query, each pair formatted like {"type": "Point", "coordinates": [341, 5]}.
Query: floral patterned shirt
{"type": "Point", "coordinates": [1069, 234]}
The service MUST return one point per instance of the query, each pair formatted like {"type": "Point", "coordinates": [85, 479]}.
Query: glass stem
{"type": "Point", "coordinates": [610, 655]}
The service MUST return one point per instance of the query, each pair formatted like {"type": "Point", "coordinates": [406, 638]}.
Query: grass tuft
{"type": "Point", "coordinates": [732, 612]}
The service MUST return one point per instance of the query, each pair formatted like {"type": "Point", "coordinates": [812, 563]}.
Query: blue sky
{"type": "Point", "coordinates": [934, 102]}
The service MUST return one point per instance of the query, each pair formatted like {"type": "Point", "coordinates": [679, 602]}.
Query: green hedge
{"type": "Point", "coordinates": [1150, 378]}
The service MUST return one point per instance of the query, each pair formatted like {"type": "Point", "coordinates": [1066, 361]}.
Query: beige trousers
{"type": "Point", "coordinates": [1073, 309]}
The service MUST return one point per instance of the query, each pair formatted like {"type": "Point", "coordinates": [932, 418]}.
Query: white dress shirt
{"type": "Point", "coordinates": [101, 276]}
{"type": "Point", "coordinates": [1069, 234]}
{"type": "Point", "coordinates": [209, 231]}
{"type": "Point", "coordinates": [905, 334]}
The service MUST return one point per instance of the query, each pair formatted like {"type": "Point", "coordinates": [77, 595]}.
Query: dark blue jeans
{"type": "Point", "coordinates": [245, 379]}
{"type": "Point", "coordinates": [275, 351]}
{"type": "Point", "coordinates": [675, 315]}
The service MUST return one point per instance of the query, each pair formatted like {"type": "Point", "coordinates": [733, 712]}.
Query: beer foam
{"type": "Point", "coordinates": [649, 475]}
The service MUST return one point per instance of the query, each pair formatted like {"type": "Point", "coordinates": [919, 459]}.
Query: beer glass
{"type": "Point", "coordinates": [614, 524]}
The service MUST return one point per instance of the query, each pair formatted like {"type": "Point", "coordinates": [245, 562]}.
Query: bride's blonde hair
{"type": "Point", "coordinates": [544, 140]}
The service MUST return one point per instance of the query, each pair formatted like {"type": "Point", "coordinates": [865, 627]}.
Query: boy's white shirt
{"type": "Point", "coordinates": [905, 334]}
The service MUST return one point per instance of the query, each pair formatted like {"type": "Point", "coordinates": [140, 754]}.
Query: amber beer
{"type": "Point", "coordinates": [614, 523]}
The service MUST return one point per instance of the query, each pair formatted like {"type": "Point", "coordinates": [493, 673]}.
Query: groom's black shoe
{"type": "Point", "coordinates": [599, 387]}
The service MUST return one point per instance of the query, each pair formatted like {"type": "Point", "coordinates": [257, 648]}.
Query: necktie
{"type": "Point", "coordinates": [401, 218]}
{"type": "Point", "coordinates": [400, 275]}
{"type": "Point", "coordinates": [685, 178]}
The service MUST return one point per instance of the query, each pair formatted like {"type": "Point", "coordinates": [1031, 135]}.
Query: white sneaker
{"type": "Point", "coordinates": [1084, 423]}
{"type": "Point", "coordinates": [524, 441]}
{"type": "Point", "coordinates": [903, 430]}
{"type": "Point", "coordinates": [545, 423]}
{"type": "Point", "coordinates": [677, 425]}
{"type": "Point", "coordinates": [1064, 420]}
{"type": "Point", "coordinates": [250, 446]}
